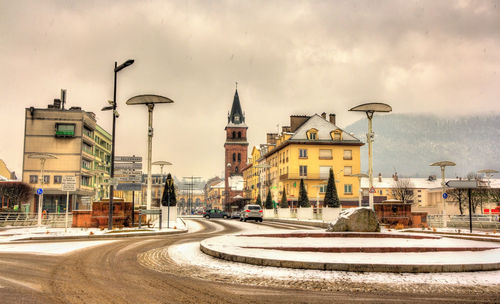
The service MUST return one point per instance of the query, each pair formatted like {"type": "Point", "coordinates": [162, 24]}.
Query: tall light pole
{"type": "Point", "coordinates": [113, 107]}
{"type": "Point", "coordinates": [360, 176]}
{"type": "Point", "coordinates": [370, 109]}
{"type": "Point", "coordinates": [150, 101]}
{"type": "Point", "coordinates": [42, 157]}
{"type": "Point", "coordinates": [443, 165]}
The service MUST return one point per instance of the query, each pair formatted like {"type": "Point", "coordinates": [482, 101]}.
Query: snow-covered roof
{"type": "Point", "coordinates": [3, 178]}
{"type": "Point", "coordinates": [219, 185]}
{"type": "Point", "coordinates": [324, 128]}
{"type": "Point", "coordinates": [236, 183]}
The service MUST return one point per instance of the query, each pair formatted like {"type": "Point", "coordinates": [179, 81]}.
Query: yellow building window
{"type": "Point", "coordinates": [347, 154]}
{"type": "Point", "coordinates": [325, 154]}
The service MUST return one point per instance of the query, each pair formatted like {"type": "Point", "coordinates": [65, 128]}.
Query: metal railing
{"type": "Point", "coordinates": [31, 219]}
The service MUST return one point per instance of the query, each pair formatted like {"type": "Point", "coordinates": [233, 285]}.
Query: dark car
{"type": "Point", "coordinates": [215, 213]}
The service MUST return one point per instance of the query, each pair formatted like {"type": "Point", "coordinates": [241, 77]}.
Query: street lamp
{"type": "Point", "coordinates": [370, 109]}
{"type": "Point", "coordinates": [117, 69]}
{"type": "Point", "coordinates": [42, 157]}
{"type": "Point", "coordinates": [360, 176]}
{"type": "Point", "coordinates": [149, 101]}
{"type": "Point", "coordinates": [443, 165]}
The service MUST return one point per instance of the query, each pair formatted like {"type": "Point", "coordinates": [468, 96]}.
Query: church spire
{"type": "Point", "coordinates": [236, 116]}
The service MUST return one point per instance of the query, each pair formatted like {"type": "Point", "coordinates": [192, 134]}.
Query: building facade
{"type": "Point", "coordinates": [308, 149]}
{"type": "Point", "coordinates": [69, 136]}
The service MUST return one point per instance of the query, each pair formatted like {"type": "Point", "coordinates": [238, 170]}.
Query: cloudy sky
{"type": "Point", "coordinates": [289, 57]}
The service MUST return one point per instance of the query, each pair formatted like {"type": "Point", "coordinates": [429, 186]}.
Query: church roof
{"type": "Point", "coordinates": [236, 117]}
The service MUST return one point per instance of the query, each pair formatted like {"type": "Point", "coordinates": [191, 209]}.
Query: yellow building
{"type": "Point", "coordinates": [5, 173]}
{"type": "Point", "coordinates": [252, 174]}
{"type": "Point", "coordinates": [308, 149]}
{"type": "Point", "coordinates": [102, 162]}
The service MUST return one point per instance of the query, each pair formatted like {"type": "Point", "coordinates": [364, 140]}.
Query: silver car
{"type": "Point", "coordinates": [251, 212]}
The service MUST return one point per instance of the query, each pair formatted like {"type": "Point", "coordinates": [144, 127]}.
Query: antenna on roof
{"type": "Point", "coordinates": [236, 85]}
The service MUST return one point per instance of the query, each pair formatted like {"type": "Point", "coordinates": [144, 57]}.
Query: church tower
{"type": "Point", "coordinates": [236, 145]}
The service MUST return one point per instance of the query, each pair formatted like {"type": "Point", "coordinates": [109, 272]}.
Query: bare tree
{"type": "Point", "coordinates": [403, 190]}
{"type": "Point", "coordinates": [461, 197]}
{"type": "Point", "coordinates": [16, 192]}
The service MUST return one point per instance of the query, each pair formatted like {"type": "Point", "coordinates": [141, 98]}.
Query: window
{"type": "Point", "coordinates": [303, 153]}
{"type": "Point", "coordinates": [324, 172]}
{"type": "Point", "coordinates": [234, 157]}
{"type": "Point", "coordinates": [87, 148]}
{"type": "Point", "coordinates": [313, 135]}
{"type": "Point", "coordinates": [85, 180]}
{"type": "Point", "coordinates": [236, 169]}
{"type": "Point", "coordinates": [347, 154]}
{"type": "Point", "coordinates": [46, 179]}
{"type": "Point", "coordinates": [303, 170]}
{"type": "Point", "coordinates": [348, 189]}
{"type": "Point", "coordinates": [347, 170]}
{"type": "Point", "coordinates": [33, 179]}
{"type": "Point", "coordinates": [86, 164]}
{"type": "Point", "coordinates": [322, 188]}
{"type": "Point", "coordinates": [336, 134]}
{"type": "Point", "coordinates": [88, 132]}
{"type": "Point", "coordinates": [239, 134]}
{"type": "Point", "coordinates": [65, 130]}
{"type": "Point", "coordinates": [57, 179]}
{"type": "Point", "coordinates": [325, 153]}
{"type": "Point", "coordinates": [239, 157]}
{"type": "Point", "coordinates": [234, 134]}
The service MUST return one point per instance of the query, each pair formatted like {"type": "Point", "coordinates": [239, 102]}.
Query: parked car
{"type": "Point", "coordinates": [215, 213]}
{"type": "Point", "coordinates": [251, 212]}
{"type": "Point", "coordinates": [235, 214]}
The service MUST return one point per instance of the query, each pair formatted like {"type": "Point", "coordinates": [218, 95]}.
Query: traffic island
{"type": "Point", "coordinates": [359, 252]}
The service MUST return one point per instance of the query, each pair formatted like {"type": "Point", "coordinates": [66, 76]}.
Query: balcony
{"type": "Point", "coordinates": [310, 176]}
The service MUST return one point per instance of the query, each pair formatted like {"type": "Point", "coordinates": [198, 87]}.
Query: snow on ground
{"type": "Point", "coordinates": [190, 254]}
{"type": "Point", "coordinates": [56, 248]}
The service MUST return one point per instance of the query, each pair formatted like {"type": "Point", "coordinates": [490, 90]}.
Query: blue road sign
{"type": "Point", "coordinates": [39, 191]}
{"type": "Point", "coordinates": [445, 195]}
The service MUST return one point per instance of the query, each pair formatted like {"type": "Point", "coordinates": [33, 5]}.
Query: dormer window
{"type": "Point", "coordinates": [336, 134]}
{"type": "Point", "coordinates": [312, 134]}
{"type": "Point", "coordinates": [236, 119]}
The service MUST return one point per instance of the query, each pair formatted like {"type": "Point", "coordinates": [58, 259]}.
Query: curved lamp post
{"type": "Point", "coordinates": [370, 109]}
{"type": "Point", "coordinates": [42, 157]}
{"type": "Point", "coordinates": [443, 165]}
{"type": "Point", "coordinates": [117, 69]}
{"type": "Point", "coordinates": [149, 101]}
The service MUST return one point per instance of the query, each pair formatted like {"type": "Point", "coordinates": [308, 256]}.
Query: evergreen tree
{"type": "Point", "coordinates": [269, 200]}
{"type": "Point", "coordinates": [168, 198]}
{"type": "Point", "coordinates": [303, 200]}
{"type": "Point", "coordinates": [284, 201]}
{"type": "Point", "coordinates": [331, 196]}
{"type": "Point", "coordinates": [258, 201]}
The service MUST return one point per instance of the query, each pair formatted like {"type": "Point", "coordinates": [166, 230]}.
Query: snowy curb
{"type": "Point", "coordinates": [100, 236]}
{"type": "Point", "coordinates": [298, 222]}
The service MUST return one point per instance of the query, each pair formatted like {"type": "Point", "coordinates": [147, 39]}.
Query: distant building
{"type": "Point", "coordinates": [236, 148]}
{"type": "Point", "coordinates": [102, 162]}
{"type": "Point", "coordinates": [5, 173]}
{"type": "Point", "coordinates": [69, 135]}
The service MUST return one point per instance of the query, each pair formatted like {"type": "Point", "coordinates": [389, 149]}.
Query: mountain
{"type": "Point", "coordinates": [408, 144]}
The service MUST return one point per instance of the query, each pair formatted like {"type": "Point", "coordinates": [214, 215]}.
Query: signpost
{"type": "Point", "coordinates": [469, 185]}
{"type": "Point", "coordinates": [129, 174]}
{"type": "Point", "coordinates": [445, 195]}
{"type": "Point", "coordinates": [68, 185]}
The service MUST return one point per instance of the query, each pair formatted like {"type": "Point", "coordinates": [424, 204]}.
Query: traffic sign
{"type": "Point", "coordinates": [462, 184]}
{"type": "Point", "coordinates": [372, 190]}
{"type": "Point", "coordinates": [68, 183]}
{"type": "Point", "coordinates": [129, 187]}
{"type": "Point", "coordinates": [39, 191]}
{"type": "Point", "coordinates": [130, 159]}
{"type": "Point", "coordinates": [128, 166]}
{"type": "Point", "coordinates": [445, 195]}
{"type": "Point", "coordinates": [129, 178]}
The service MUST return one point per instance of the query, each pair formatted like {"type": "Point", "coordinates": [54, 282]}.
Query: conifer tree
{"type": "Point", "coordinates": [269, 200]}
{"type": "Point", "coordinates": [303, 200]}
{"type": "Point", "coordinates": [284, 201]}
{"type": "Point", "coordinates": [258, 201]}
{"type": "Point", "coordinates": [331, 196]}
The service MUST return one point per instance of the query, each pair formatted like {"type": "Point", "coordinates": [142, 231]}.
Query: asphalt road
{"type": "Point", "coordinates": [115, 273]}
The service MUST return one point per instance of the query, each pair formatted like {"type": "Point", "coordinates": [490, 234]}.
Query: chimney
{"type": "Point", "coordinates": [323, 115]}
{"type": "Point", "coordinates": [285, 129]}
{"type": "Point", "coordinates": [380, 177]}
{"type": "Point", "coordinates": [395, 176]}
{"type": "Point", "coordinates": [296, 121]}
{"type": "Point", "coordinates": [332, 118]}
{"type": "Point", "coordinates": [271, 138]}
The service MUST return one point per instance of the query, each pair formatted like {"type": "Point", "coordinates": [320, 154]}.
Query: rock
{"type": "Point", "coordinates": [356, 220]}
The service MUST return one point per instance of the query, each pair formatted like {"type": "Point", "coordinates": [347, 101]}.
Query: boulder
{"type": "Point", "coordinates": [356, 220]}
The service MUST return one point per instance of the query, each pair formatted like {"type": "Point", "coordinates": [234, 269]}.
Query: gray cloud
{"type": "Point", "coordinates": [288, 56]}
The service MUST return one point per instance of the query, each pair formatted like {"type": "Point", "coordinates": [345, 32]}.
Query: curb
{"type": "Point", "coordinates": [349, 267]}
{"type": "Point", "coordinates": [99, 236]}
{"type": "Point", "coordinates": [302, 223]}
{"type": "Point", "coordinates": [453, 235]}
